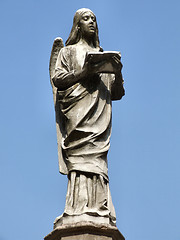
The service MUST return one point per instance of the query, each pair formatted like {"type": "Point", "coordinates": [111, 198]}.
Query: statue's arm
{"type": "Point", "coordinates": [64, 77]}
{"type": "Point", "coordinates": [117, 89]}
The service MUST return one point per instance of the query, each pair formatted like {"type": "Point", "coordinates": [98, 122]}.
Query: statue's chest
{"type": "Point", "coordinates": [79, 55]}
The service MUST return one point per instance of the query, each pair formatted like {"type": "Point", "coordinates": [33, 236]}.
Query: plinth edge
{"type": "Point", "coordinates": [85, 228]}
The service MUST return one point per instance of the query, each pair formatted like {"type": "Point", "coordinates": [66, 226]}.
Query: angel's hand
{"type": "Point", "coordinates": [92, 68]}
{"type": "Point", "coordinates": [116, 64]}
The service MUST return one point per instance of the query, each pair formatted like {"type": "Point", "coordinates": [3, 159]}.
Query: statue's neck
{"type": "Point", "coordinates": [86, 42]}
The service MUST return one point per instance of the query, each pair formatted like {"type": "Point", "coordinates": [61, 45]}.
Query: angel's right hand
{"type": "Point", "coordinates": [92, 68]}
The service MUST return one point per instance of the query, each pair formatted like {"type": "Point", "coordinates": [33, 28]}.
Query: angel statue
{"type": "Point", "coordinates": [85, 79]}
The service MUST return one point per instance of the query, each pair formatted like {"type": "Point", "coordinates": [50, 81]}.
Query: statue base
{"type": "Point", "coordinates": [85, 231]}
{"type": "Point", "coordinates": [65, 219]}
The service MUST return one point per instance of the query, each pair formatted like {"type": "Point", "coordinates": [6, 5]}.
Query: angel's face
{"type": "Point", "coordinates": [88, 24]}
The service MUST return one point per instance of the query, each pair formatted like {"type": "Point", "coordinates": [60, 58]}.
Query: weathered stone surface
{"type": "Point", "coordinates": [85, 81]}
{"type": "Point", "coordinates": [64, 220]}
{"type": "Point", "coordinates": [85, 231]}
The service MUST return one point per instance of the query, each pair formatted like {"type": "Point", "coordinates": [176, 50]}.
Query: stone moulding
{"type": "Point", "coordinates": [85, 231]}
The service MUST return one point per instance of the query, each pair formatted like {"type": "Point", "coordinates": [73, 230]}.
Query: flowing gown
{"type": "Point", "coordinates": [86, 130]}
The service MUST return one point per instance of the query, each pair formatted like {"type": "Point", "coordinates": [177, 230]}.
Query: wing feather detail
{"type": "Point", "coordinates": [57, 45]}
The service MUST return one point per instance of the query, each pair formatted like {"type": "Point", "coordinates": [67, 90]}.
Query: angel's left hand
{"type": "Point", "coordinates": [116, 64]}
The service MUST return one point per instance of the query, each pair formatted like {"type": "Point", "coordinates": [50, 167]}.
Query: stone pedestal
{"type": "Point", "coordinates": [85, 231]}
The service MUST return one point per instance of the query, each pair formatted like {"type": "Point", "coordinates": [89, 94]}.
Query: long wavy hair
{"type": "Point", "coordinates": [75, 34]}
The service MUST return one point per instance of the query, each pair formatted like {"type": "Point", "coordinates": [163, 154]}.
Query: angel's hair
{"type": "Point", "coordinates": [75, 34]}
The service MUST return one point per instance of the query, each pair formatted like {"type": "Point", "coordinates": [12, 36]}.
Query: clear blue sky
{"type": "Point", "coordinates": [144, 159]}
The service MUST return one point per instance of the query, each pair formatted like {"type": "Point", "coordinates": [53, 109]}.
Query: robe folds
{"type": "Point", "coordinates": [86, 129]}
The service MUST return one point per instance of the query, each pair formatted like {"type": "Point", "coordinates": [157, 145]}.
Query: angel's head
{"type": "Point", "coordinates": [84, 25]}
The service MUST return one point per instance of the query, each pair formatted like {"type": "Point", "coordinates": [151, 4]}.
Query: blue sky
{"type": "Point", "coordinates": [144, 159]}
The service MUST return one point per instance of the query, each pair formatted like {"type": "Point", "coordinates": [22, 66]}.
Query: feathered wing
{"type": "Point", "coordinates": [57, 45]}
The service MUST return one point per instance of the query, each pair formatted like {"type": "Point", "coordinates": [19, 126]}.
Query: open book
{"type": "Point", "coordinates": [107, 57]}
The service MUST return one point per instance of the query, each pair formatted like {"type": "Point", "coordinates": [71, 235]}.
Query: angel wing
{"type": "Point", "coordinates": [57, 45]}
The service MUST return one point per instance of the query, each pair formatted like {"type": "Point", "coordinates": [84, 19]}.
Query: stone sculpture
{"type": "Point", "coordinates": [85, 80]}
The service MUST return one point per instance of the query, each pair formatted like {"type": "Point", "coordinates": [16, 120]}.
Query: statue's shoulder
{"type": "Point", "coordinates": [68, 52]}
{"type": "Point", "coordinates": [66, 49]}
{"type": "Point", "coordinates": [69, 48]}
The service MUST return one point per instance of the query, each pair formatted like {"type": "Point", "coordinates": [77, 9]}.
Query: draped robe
{"type": "Point", "coordinates": [86, 130]}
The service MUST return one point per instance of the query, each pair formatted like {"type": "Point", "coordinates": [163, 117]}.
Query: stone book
{"type": "Point", "coordinates": [108, 57]}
